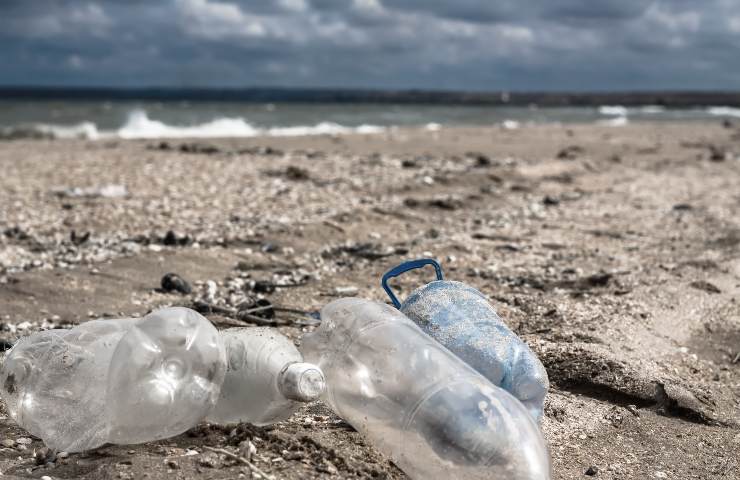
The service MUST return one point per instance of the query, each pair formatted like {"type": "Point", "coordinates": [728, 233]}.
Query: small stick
{"type": "Point", "coordinates": [333, 225]}
{"type": "Point", "coordinates": [240, 459]}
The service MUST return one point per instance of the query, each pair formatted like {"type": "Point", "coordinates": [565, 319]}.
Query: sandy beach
{"type": "Point", "coordinates": [614, 252]}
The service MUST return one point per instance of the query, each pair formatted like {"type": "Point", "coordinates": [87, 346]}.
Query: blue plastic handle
{"type": "Point", "coordinates": [403, 268]}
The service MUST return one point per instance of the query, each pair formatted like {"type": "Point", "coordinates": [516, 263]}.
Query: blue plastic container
{"type": "Point", "coordinates": [461, 318]}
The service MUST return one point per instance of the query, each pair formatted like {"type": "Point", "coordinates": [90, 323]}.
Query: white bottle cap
{"type": "Point", "coordinates": [303, 382]}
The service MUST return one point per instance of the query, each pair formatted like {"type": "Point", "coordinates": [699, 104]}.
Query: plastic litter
{"type": "Point", "coordinates": [115, 381]}
{"type": "Point", "coordinates": [266, 378]}
{"type": "Point", "coordinates": [132, 380]}
{"type": "Point", "coordinates": [461, 318]}
{"type": "Point", "coordinates": [417, 402]}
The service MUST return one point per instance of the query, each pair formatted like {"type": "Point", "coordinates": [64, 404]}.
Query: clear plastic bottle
{"type": "Point", "coordinates": [53, 383]}
{"type": "Point", "coordinates": [266, 378]}
{"type": "Point", "coordinates": [417, 402]}
{"type": "Point", "coordinates": [461, 318]}
{"type": "Point", "coordinates": [114, 381]}
{"type": "Point", "coordinates": [165, 376]}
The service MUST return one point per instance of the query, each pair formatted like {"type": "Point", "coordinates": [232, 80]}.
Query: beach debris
{"type": "Point", "coordinates": [706, 286]}
{"type": "Point", "coordinates": [118, 381]}
{"type": "Point", "coordinates": [460, 318]}
{"type": "Point", "coordinates": [410, 163]}
{"type": "Point", "coordinates": [105, 191]}
{"type": "Point", "coordinates": [190, 147]}
{"type": "Point", "coordinates": [719, 154]}
{"type": "Point", "coordinates": [571, 152]}
{"type": "Point", "coordinates": [172, 282]}
{"type": "Point", "coordinates": [481, 160]}
{"type": "Point", "coordinates": [550, 201]}
{"type": "Point", "coordinates": [366, 250]}
{"type": "Point", "coordinates": [161, 375]}
{"type": "Point", "coordinates": [173, 239]}
{"type": "Point", "coordinates": [296, 173]}
{"type": "Point", "coordinates": [260, 307]}
{"type": "Point", "coordinates": [78, 239]}
{"type": "Point", "coordinates": [196, 147]}
{"type": "Point", "coordinates": [490, 429]}
{"type": "Point", "coordinates": [249, 316]}
{"type": "Point", "coordinates": [265, 369]}
{"type": "Point", "coordinates": [293, 173]}
{"type": "Point", "coordinates": [591, 471]}
{"type": "Point", "coordinates": [349, 291]}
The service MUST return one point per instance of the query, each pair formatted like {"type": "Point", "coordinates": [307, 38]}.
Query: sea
{"type": "Point", "coordinates": [146, 119]}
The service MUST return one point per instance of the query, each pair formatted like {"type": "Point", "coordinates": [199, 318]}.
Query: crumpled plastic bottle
{"type": "Point", "coordinates": [461, 318]}
{"type": "Point", "coordinates": [417, 402]}
{"type": "Point", "coordinates": [266, 379]}
{"type": "Point", "coordinates": [115, 381]}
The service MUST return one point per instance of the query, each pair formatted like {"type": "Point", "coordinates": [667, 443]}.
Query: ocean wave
{"type": "Point", "coordinates": [724, 111]}
{"type": "Point", "coordinates": [40, 131]}
{"type": "Point", "coordinates": [323, 128]}
{"type": "Point", "coordinates": [139, 125]}
{"type": "Point", "coordinates": [613, 110]}
{"type": "Point", "coordinates": [614, 122]}
{"type": "Point", "coordinates": [652, 109]}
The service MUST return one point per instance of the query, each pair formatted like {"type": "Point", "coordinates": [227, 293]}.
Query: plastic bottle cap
{"type": "Point", "coordinates": [303, 382]}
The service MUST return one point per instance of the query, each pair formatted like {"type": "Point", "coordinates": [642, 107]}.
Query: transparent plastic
{"type": "Point", "coordinates": [165, 376]}
{"type": "Point", "coordinates": [461, 318]}
{"type": "Point", "coordinates": [417, 402]}
{"type": "Point", "coordinates": [266, 379]}
{"type": "Point", "coordinates": [114, 381]}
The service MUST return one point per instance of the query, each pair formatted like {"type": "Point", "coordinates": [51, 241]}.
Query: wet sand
{"type": "Point", "coordinates": [614, 252]}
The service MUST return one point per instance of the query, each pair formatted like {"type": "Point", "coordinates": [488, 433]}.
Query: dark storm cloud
{"type": "Point", "coordinates": [476, 44]}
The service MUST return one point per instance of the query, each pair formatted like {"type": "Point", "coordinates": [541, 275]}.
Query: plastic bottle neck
{"type": "Point", "coordinates": [302, 382]}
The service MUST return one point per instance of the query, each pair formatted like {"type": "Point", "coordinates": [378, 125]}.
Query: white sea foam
{"type": "Point", "coordinates": [614, 122]}
{"type": "Point", "coordinates": [510, 125]}
{"type": "Point", "coordinates": [615, 110]}
{"type": "Point", "coordinates": [139, 125]}
{"type": "Point", "coordinates": [433, 127]}
{"type": "Point", "coordinates": [323, 128]}
{"type": "Point", "coordinates": [652, 109]}
{"type": "Point", "coordinates": [84, 130]}
{"type": "Point", "coordinates": [724, 111]}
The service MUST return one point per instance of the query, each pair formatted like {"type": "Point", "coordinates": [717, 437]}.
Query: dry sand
{"type": "Point", "coordinates": [614, 252]}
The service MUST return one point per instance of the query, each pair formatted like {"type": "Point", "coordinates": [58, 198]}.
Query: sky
{"type": "Point", "coordinates": [428, 44]}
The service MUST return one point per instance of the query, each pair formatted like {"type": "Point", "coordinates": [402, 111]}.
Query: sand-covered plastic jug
{"type": "Point", "coordinates": [432, 414]}
{"type": "Point", "coordinates": [461, 318]}
{"type": "Point", "coordinates": [118, 381]}
{"type": "Point", "coordinates": [266, 378]}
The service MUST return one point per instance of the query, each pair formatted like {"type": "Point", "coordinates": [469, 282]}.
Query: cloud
{"type": "Point", "coordinates": [216, 20]}
{"type": "Point", "coordinates": [465, 44]}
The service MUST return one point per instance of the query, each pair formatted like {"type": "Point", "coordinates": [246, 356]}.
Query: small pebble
{"type": "Point", "coordinates": [173, 282]}
{"type": "Point", "coordinates": [592, 470]}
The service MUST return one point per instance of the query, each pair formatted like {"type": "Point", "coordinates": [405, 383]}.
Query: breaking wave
{"type": "Point", "coordinates": [724, 111]}
{"type": "Point", "coordinates": [616, 110]}
{"type": "Point", "coordinates": [39, 131]}
{"type": "Point", "coordinates": [614, 122]}
{"type": "Point", "coordinates": [139, 125]}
